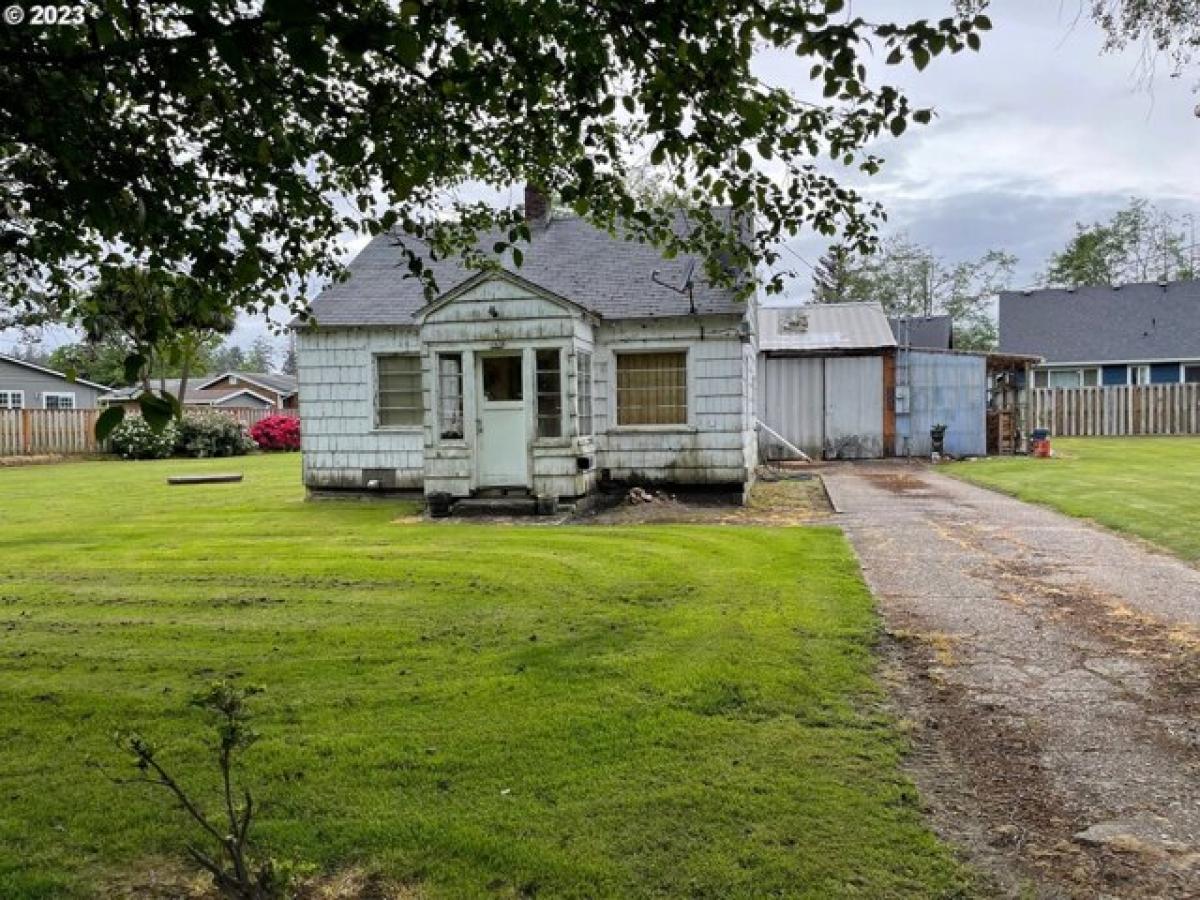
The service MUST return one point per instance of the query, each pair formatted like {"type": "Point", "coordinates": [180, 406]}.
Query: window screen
{"type": "Point", "coordinates": [652, 388]}
{"type": "Point", "coordinates": [398, 398]}
{"type": "Point", "coordinates": [549, 393]}
{"type": "Point", "coordinates": [450, 395]}
{"type": "Point", "coordinates": [583, 374]}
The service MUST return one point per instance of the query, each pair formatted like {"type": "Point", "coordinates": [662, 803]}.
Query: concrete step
{"type": "Point", "coordinates": [516, 505]}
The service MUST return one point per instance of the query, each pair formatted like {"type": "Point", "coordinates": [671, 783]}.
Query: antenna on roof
{"type": "Point", "coordinates": [687, 285]}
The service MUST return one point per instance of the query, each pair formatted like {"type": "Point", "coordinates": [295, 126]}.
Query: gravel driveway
{"type": "Point", "coordinates": [1048, 670]}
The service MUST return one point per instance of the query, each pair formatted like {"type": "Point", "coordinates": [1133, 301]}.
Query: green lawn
{"type": "Point", "coordinates": [474, 711]}
{"type": "Point", "coordinates": [1145, 486]}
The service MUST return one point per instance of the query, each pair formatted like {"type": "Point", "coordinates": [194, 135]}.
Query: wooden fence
{"type": "Point", "coordinates": [1144, 409]}
{"type": "Point", "coordinates": [65, 432]}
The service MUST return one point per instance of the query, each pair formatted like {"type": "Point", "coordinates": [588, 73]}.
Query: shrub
{"type": "Point", "coordinates": [210, 433]}
{"type": "Point", "coordinates": [277, 433]}
{"type": "Point", "coordinates": [133, 438]}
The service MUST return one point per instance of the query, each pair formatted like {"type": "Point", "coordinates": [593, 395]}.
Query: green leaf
{"type": "Point", "coordinates": [895, 57]}
{"type": "Point", "coordinates": [897, 125]}
{"type": "Point", "coordinates": [608, 106]}
{"type": "Point", "coordinates": [983, 23]}
{"type": "Point", "coordinates": [157, 411]}
{"type": "Point", "coordinates": [973, 41]}
{"type": "Point", "coordinates": [920, 58]}
{"type": "Point", "coordinates": [745, 161]}
{"type": "Point", "coordinates": [108, 420]}
{"type": "Point", "coordinates": [518, 257]}
{"type": "Point", "coordinates": [923, 116]}
{"type": "Point", "coordinates": [134, 363]}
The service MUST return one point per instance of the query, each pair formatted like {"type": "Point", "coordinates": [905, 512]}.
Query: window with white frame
{"type": "Point", "coordinates": [12, 399]}
{"type": "Point", "coordinates": [652, 388]}
{"type": "Point", "coordinates": [1139, 374]}
{"type": "Point", "coordinates": [58, 400]}
{"type": "Point", "coordinates": [450, 396]}
{"type": "Point", "coordinates": [398, 391]}
{"type": "Point", "coordinates": [549, 393]}
{"type": "Point", "coordinates": [583, 377]}
{"type": "Point", "coordinates": [1064, 378]}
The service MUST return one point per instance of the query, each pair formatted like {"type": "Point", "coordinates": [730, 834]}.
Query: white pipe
{"type": "Point", "coordinates": [786, 443]}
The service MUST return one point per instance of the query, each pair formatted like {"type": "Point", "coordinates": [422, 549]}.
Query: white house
{"type": "Point", "coordinates": [590, 361]}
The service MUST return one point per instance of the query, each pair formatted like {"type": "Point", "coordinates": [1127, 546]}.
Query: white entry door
{"type": "Point", "coordinates": [502, 450]}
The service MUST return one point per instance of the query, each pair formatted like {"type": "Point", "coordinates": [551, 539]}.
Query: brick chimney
{"type": "Point", "coordinates": [537, 204]}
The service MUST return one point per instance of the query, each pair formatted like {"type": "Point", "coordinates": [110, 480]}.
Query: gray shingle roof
{"type": "Point", "coordinates": [924, 332]}
{"type": "Point", "coordinates": [1100, 324]}
{"type": "Point", "coordinates": [569, 257]}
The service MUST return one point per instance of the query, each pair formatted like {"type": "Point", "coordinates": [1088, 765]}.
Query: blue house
{"type": "Point", "coordinates": [1093, 336]}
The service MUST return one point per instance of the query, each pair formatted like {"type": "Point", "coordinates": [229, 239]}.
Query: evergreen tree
{"type": "Point", "coordinates": [833, 276]}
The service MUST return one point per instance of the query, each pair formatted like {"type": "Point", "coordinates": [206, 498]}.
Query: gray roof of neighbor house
{"type": "Point", "coordinates": [55, 373]}
{"type": "Point", "coordinates": [282, 384]}
{"type": "Point", "coordinates": [569, 257]}
{"type": "Point", "coordinates": [923, 332]}
{"type": "Point", "coordinates": [196, 395]}
{"type": "Point", "coordinates": [1133, 322]}
{"type": "Point", "coordinates": [824, 327]}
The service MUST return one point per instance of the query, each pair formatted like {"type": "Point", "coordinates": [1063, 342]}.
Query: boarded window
{"type": "Point", "coordinates": [652, 388]}
{"type": "Point", "coordinates": [549, 393]}
{"type": "Point", "coordinates": [12, 399]}
{"type": "Point", "coordinates": [450, 396]}
{"type": "Point", "coordinates": [398, 396]}
{"type": "Point", "coordinates": [583, 375]}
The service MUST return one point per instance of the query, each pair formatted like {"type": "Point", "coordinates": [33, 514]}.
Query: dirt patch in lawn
{"type": "Point", "coordinates": [791, 500]}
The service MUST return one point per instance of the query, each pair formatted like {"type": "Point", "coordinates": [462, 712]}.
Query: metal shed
{"type": "Point", "coordinates": [823, 380]}
{"type": "Point", "coordinates": [941, 387]}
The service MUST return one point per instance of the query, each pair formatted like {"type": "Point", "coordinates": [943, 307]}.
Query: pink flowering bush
{"type": "Point", "coordinates": [277, 433]}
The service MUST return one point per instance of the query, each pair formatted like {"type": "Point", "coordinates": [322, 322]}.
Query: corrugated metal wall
{"type": "Point", "coordinates": [827, 406]}
{"type": "Point", "coordinates": [853, 407]}
{"type": "Point", "coordinates": [944, 388]}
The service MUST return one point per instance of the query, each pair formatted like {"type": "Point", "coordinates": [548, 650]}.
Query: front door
{"type": "Point", "coordinates": [501, 448]}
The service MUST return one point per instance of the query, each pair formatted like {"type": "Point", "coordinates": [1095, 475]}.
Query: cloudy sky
{"type": "Point", "coordinates": [1035, 132]}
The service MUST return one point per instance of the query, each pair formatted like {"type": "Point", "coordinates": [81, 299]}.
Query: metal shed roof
{"type": "Point", "coordinates": [817, 327]}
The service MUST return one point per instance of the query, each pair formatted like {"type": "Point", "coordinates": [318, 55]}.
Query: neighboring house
{"type": "Point", "coordinates": [24, 385]}
{"type": "Point", "coordinates": [580, 365]}
{"type": "Point", "coordinates": [923, 332]}
{"type": "Point", "coordinates": [229, 390]}
{"type": "Point", "coordinates": [1093, 336]}
{"type": "Point", "coordinates": [280, 389]}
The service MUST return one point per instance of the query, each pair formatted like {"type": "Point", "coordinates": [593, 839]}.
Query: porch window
{"type": "Point", "coordinates": [12, 399]}
{"type": "Point", "coordinates": [64, 400]}
{"type": "Point", "coordinates": [583, 375]}
{"type": "Point", "coordinates": [450, 396]}
{"type": "Point", "coordinates": [652, 388]}
{"type": "Point", "coordinates": [398, 391]}
{"type": "Point", "coordinates": [549, 393]}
